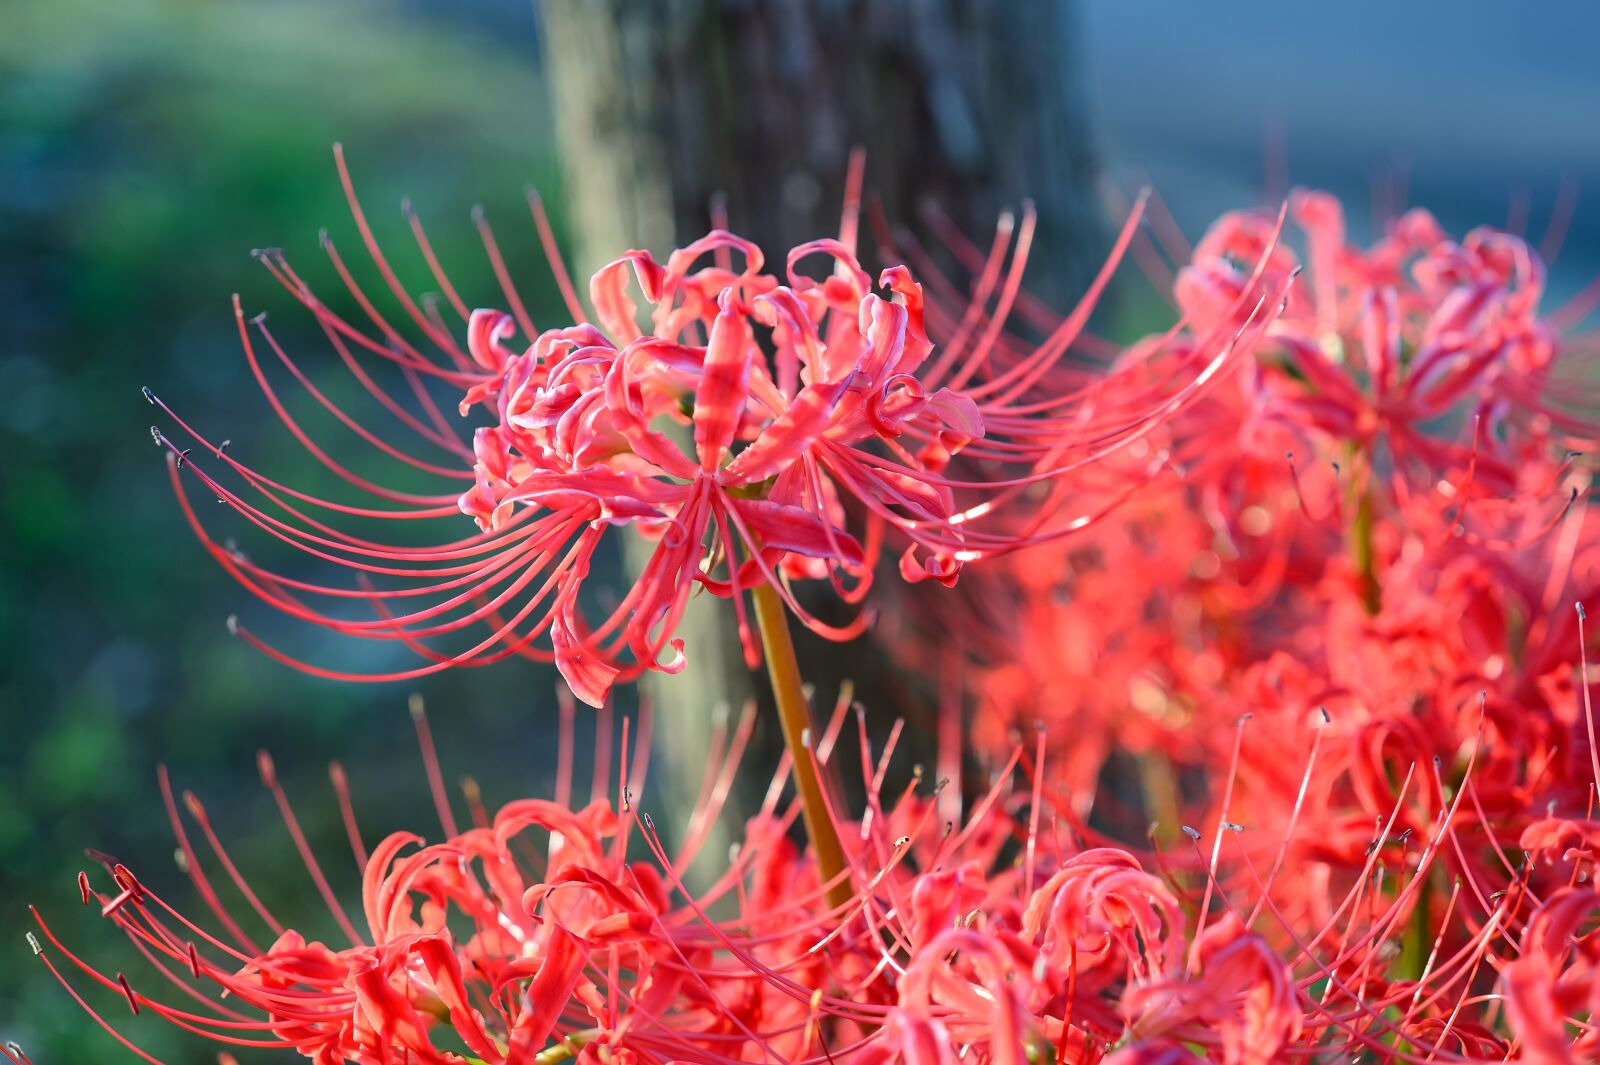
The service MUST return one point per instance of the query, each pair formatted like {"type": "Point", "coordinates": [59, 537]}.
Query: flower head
{"type": "Point", "coordinates": [765, 427]}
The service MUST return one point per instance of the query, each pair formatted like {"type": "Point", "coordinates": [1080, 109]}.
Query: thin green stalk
{"type": "Point", "coordinates": [795, 716]}
{"type": "Point", "coordinates": [1361, 529]}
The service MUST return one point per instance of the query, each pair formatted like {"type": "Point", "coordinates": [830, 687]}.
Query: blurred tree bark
{"type": "Point", "coordinates": [659, 106]}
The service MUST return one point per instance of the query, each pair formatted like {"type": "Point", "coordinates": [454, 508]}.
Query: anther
{"type": "Point", "coordinates": [1191, 833]}
{"type": "Point", "coordinates": [194, 961]}
{"type": "Point", "coordinates": [155, 434]}
{"type": "Point", "coordinates": [149, 396]}
{"type": "Point", "coordinates": [264, 766]}
{"type": "Point", "coordinates": [130, 891]}
{"type": "Point", "coordinates": [127, 881]}
{"type": "Point", "coordinates": [1583, 615]}
{"type": "Point", "coordinates": [901, 842]}
{"type": "Point", "coordinates": [83, 887]}
{"type": "Point", "coordinates": [33, 941]}
{"type": "Point", "coordinates": [233, 624]}
{"type": "Point", "coordinates": [416, 706]}
{"type": "Point", "coordinates": [223, 447]}
{"type": "Point", "coordinates": [1231, 827]}
{"type": "Point", "coordinates": [1325, 718]}
{"type": "Point", "coordinates": [183, 456]}
{"type": "Point", "coordinates": [127, 989]}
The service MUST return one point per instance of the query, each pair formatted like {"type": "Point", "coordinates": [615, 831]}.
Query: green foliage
{"type": "Point", "coordinates": [145, 147]}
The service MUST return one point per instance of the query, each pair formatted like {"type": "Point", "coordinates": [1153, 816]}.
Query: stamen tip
{"type": "Point", "coordinates": [264, 766]}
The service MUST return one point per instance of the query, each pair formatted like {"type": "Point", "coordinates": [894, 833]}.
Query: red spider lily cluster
{"type": "Point", "coordinates": [758, 420]}
{"type": "Point", "coordinates": [554, 930]}
{"type": "Point", "coordinates": [1325, 581]}
{"type": "Point", "coordinates": [535, 936]}
{"type": "Point", "coordinates": [1375, 548]}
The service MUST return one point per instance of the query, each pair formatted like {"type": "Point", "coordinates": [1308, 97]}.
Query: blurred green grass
{"type": "Point", "coordinates": [145, 147]}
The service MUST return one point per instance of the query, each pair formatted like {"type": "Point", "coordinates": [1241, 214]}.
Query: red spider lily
{"type": "Point", "coordinates": [1461, 713]}
{"type": "Point", "coordinates": [1388, 573]}
{"type": "Point", "coordinates": [1367, 684]}
{"type": "Point", "coordinates": [1381, 344]}
{"type": "Point", "coordinates": [1555, 986]}
{"type": "Point", "coordinates": [812, 407]}
{"type": "Point", "coordinates": [534, 937]}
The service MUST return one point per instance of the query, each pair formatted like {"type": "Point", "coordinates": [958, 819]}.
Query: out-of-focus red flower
{"type": "Point", "coordinates": [1344, 628]}
{"type": "Point", "coordinates": [1554, 986]}
{"type": "Point", "coordinates": [560, 930]}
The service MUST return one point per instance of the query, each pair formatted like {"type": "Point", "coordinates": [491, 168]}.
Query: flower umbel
{"type": "Point", "coordinates": [813, 417]}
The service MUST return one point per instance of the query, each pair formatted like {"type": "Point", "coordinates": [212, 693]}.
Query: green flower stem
{"type": "Point", "coordinates": [1361, 528]}
{"type": "Point", "coordinates": [795, 716]}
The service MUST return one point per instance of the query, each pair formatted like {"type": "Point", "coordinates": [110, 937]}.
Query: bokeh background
{"type": "Point", "coordinates": [147, 145]}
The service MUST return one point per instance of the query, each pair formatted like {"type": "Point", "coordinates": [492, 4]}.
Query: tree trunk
{"type": "Point", "coordinates": [660, 106]}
